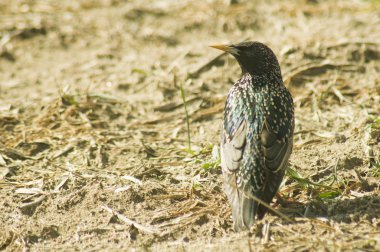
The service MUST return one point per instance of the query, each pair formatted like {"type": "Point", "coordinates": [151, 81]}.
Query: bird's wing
{"type": "Point", "coordinates": [277, 143]}
{"type": "Point", "coordinates": [232, 148]}
{"type": "Point", "coordinates": [238, 158]}
{"type": "Point", "coordinates": [255, 150]}
{"type": "Point", "coordinates": [276, 151]}
{"type": "Point", "coordinates": [234, 131]}
{"type": "Point", "coordinates": [277, 131]}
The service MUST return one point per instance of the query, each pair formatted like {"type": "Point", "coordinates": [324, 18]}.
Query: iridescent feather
{"type": "Point", "coordinates": [257, 133]}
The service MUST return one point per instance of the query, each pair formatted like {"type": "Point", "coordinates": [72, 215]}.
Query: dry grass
{"type": "Point", "coordinates": [95, 149]}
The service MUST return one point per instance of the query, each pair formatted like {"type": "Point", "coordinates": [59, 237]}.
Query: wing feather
{"type": "Point", "coordinates": [255, 149]}
{"type": "Point", "coordinates": [232, 148]}
{"type": "Point", "coordinates": [277, 139]}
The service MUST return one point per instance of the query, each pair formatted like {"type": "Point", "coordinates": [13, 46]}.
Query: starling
{"type": "Point", "coordinates": [257, 137]}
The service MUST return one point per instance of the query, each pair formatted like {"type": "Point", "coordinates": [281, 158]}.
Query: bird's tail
{"type": "Point", "coordinates": [243, 208]}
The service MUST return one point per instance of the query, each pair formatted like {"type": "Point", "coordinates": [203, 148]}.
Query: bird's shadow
{"type": "Point", "coordinates": [346, 210]}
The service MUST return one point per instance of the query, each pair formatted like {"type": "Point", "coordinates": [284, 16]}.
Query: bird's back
{"type": "Point", "coordinates": [256, 144]}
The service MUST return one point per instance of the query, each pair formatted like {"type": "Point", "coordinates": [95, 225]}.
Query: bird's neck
{"type": "Point", "coordinates": [259, 81]}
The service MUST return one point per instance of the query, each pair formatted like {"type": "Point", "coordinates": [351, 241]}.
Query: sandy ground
{"type": "Point", "coordinates": [93, 135]}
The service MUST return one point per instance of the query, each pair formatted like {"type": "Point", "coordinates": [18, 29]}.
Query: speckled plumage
{"type": "Point", "coordinates": [257, 135]}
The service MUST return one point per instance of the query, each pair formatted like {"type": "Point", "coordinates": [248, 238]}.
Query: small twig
{"type": "Point", "coordinates": [271, 208]}
{"type": "Point", "coordinates": [205, 113]}
{"type": "Point", "coordinates": [33, 203]}
{"type": "Point", "coordinates": [60, 184]}
{"type": "Point", "coordinates": [315, 69]}
{"type": "Point", "coordinates": [145, 229]}
{"type": "Point", "coordinates": [319, 172]}
{"type": "Point", "coordinates": [155, 121]}
{"type": "Point", "coordinates": [133, 179]}
{"type": "Point", "coordinates": [298, 145]}
{"type": "Point", "coordinates": [71, 172]}
{"type": "Point", "coordinates": [122, 189]}
{"type": "Point", "coordinates": [339, 95]}
{"type": "Point", "coordinates": [204, 67]}
{"type": "Point", "coordinates": [321, 223]}
{"type": "Point", "coordinates": [63, 152]}
{"type": "Point", "coordinates": [266, 233]}
{"type": "Point", "coordinates": [334, 175]}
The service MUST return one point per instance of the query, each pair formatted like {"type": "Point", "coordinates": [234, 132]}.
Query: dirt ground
{"type": "Point", "coordinates": [94, 148]}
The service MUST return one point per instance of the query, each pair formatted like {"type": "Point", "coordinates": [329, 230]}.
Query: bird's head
{"type": "Point", "coordinates": [253, 57]}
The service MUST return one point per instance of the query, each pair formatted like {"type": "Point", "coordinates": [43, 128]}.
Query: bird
{"type": "Point", "coordinates": [257, 134]}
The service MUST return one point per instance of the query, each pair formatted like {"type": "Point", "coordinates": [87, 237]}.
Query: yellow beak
{"type": "Point", "coordinates": [221, 47]}
{"type": "Point", "coordinates": [226, 48]}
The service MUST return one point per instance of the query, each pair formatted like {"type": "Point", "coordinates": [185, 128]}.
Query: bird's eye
{"type": "Point", "coordinates": [243, 48]}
